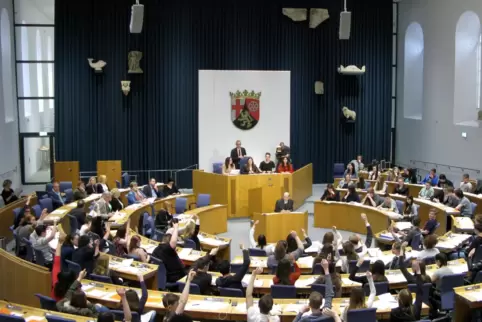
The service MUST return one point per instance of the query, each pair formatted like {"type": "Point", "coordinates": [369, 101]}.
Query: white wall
{"type": "Point", "coordinates": [435, 138]}
{"type": "Point", "coordinates": [9, 153]}
{"type": "Point", "coordinates": [217, 134]}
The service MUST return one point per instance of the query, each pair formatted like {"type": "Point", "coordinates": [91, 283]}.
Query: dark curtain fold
{"type": "Point", "coordinates": [155, 126]}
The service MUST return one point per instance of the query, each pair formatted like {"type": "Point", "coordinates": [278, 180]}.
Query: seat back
{"type": "Point", "coordinates": [283, 291]}
{"type": "Point", "coordinates": [365, 315]}
{"type": "Point", "coordinates": [73, 266]}
{"type": "Point", "coordinates": [74, 224]}
{"type": "Point", "coordinates": [230, 292]}
{"type": "Point", "coordinates": [320, 288]}
{"type": "Point", "coordinates": [64, 185]}
{"type": "Point", "coordinates": [49, 187]}
{"type": "Point", "coordinates": [399, 206]}
{"type": "Point", "coordinates": [203, 200]}
{"type": "Point", "coordinates": [101, 278]}
{"type": "Point", "coordinates": [473, 205]}
{"type": "Point", "coordinates": [17, 212]}
{"type": "Point", "coordinates": [381, 288]}
{"type": "Point", "coordinates": [362, 269]}
{"type": "Point", "coordinates": [447, 285]}
{"type": "Point", "coordinates": [180, 205]}
{"type": "Point", "coordinates": [429, 260]}
{"type": "Point", "coordinates": [161, 276]}
{"type": "Point", "coordinates": [235, 268]}
{"type": "Point", "coordinates": [416, 242]}
{"type": "Point", "coordinates": [478, 278]}
{"type": "Point", "coordinates": [243, 162]}
{"type": "Point", "coordinates": [426, 291]}
{"type": "Point", "coordinates": [257, 252]}
{"type": "Point", "coordinates": [29, 255]}
{"type": "Point", "coordinates": [39, 257]}
{"type": "Point", "coordinates": [189, 243]}
{"type": "Point", "coordinates": [69, 195]}
{"type": "Point", "coordinates": [54, 318]}
{"type": "Point", "coordinates": [47, 303]}
{"type": "Point", "coordinates": [218, 167]}
{"type": "Point", "coordinates": [193, 288]}
{"type": "Point", "coordinates": [338, 170]}
{"type": "Point", "coordinates": [477, 255]}
{"type": "Point", "coordinates": [46, 203]}
{"type": "Point", "coordinates": [37, 211]}
{"type": "Point", "coordinates": [317, 270]}
{"type": "Point", "coordinates": [10, 318]}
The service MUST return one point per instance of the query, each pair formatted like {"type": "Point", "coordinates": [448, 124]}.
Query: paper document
{"type": "Point", "coordinates": [347, 281]}
{"type": "Point", "coordinates": [305, 282]}
{"type": "Point", "coordinates": [314, 248]}
{"type": "Point", "coordinates": [96, 293]}
{"type": "Point", "coordinates": [305, 261]}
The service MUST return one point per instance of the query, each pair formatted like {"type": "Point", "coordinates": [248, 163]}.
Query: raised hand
{"type": "Point", "coordinates": [191, 275]}
{"type": "Point", "coordinates": [328, 312]}
{"type": "Point", "coordinates": [258, 271]}
{"type": "Point", "coordinates": [214, 251]}
{"type": "Point", "coordinates": [369, 274]}
{"type": "Point", "coordinates": [360, 261]}
{"type": "Point", "coordinates": [256, 222]}
{"type": "Point", "coordinates": [121, 292]}
{"type": "Point", "coordinates": [324, 264]}
{"type": "Point", "coordinates": [294, 234]}
{"type": "Point", "coordinates": [82, 274]}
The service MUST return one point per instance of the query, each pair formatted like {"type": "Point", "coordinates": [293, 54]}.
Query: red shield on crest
{"type": "Point", "coordinates": [245, 109]}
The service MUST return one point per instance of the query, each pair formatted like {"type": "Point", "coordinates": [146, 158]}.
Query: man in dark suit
{"type": "Point", "coordinates": [79, 213]}
{"type": "Point", "coordinates": [58, 200]}
{"type": "Point", "coordinates": [151, 191]}
{"type": "Point", "coordinates": [238, 153]}
{"type": "Point", "coordinates": [285, 204]}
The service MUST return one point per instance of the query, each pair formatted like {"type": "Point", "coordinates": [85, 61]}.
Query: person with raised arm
{"type": "Point", "coordinates": [280, 251]}
{"type": "Point", "coordinates": [265, 304]}
{"type": "Point", "coordinates": [405, 310]}
{"type": "Point", "coordinates": [233, 281]}
{"type": "Point", "coordinates": [166, 252]}
{"type": "Point", "coordinates": [261, 244]}
{"type": "Point", "coordinates": [173, 303]}
{"type": "Point", "coordinates": [357, 297]}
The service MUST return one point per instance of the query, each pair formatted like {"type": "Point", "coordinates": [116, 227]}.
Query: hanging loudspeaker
{"type": "Point", "coordinates": [137, 17]}
{"type": "Point", "coordinates": [345, 25]}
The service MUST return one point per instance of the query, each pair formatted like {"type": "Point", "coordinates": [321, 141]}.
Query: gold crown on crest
{"type": "Point", "coordinates": [245, 94]}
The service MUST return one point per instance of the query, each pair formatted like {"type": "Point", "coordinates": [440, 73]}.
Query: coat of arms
{"type": "Point", "coordinates": [245, 109]}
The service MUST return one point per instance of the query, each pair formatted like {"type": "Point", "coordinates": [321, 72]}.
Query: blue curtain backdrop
{"type": "Point", "coordinates": [155, 127]}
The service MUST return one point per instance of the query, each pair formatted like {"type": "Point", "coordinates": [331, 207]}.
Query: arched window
{"type": "Point", "coordinates": [40, 74]}
{"type": "Point", "coordinates": [467, 76]}
{"type": "Point", "coordinates": [7, 74]}
{"type": "Point", "coordinates": [413, 72]}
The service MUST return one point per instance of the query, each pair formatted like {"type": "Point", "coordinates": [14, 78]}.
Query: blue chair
{"type": "Point", "coordinates": [243, 162]}
{"type": "Point", "coordinates": [416, 242]}
{"type": "Point", "coordinates": [426, 291]}
{"type": "Point", "coordinates": [362, 269]}
{"type": "Point", "coordinates": [477, 255]}
{"type": "Point", "coordinates": [317, 269]}
{"type": "Point", "coordinates": [365, 315]}
{"type": "Point", "coordinates": [338, 170]}
{"type": "Point", "coordinates": [283, 291]}
{"type": "Point", "coordinates": [146, 226]}
{"type": "Point", "coordinates": [381, 287]}
{"type": "Point", "coordinates": [218, 167]}
{"type": "Point", "coordinates": [399, 206]}
{"type": "Point", "coordinates": [180, 205]}
{"type": "Point", "coordinates": [69, 195]}
{"type": "Point", "coordinates": [193, 288]}
{"type": "Point", "coordinates": [257, 252]}
{"type": "Point", "coordinates": [162, 283]}
{"type": "Point", "coordinates": [47, 303]}
{"type": "Point", "coordinates": [478, 278]}
{"type": "Point", "coordinates": [46, 203]}
{"type": "Point", "coordinates": [64, 185]}
{"type": "Point", "coordinates": [117, 184]}
{"type": "Point", "coordinates": [189, 243]}
{"type": "Point", "coordinates": [447, 285]}
{"type": "Point", "coordinates": [30, 253]}
{"type": "Point", "coordinates": [235, 268]}
{"type": "Point", "coordinates": [39, 257]}
{"type": "Point", "coordinates": [230, 292]}
{"type": "Point", "coordinates": [10, 318]}
{"type": "Point", "coordinates": [49, 187]}
{"type": "Point", "coordinates": [473, 205]}
{"type": "Point", "coordinates": [74, 224]}
{"type": "Point", "coordinates": [73, 266]}
{"type": "Point", "coordinates": [101, 278]}
{"type": "Point", "coordinates": [119, 315]}
{"type": "Point", "coordinates": [125, 179]}
{"type": "Point", "coordinates": [37, 211]}
{"type": "Point", "coordinates": [203, 200]}
{"type": "Point", "coordinates": [415, 209]}
{"type": "Point", "coordinates": [16, 213]}
{"type": "Point", "coordinates": [54, 318]}
{"type": "Point", "coordinates": [429, 260]}
{"type": "Point", "coordinates": [320, 288]}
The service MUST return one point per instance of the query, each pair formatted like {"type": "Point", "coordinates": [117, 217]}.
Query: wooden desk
{"type": "Point", "coordinates": [467, 299]}
{"type": "Point", "coordinates": [214, 217]}
{"type": "Point", "coordinates": [149, 271]}
{"type": "Point", "coordinates": [277, 225]}
{"type": "Point", "coordinates": [462, 224]}
{"type": "Point", "coordinates": [235, 190]}
{"type": "Point", "coordinates": [477, 199]}
{"type": "Point", "coordinates": [7, 217]}
{"type": "Point", "coordinates": [305, 264]}
{"type": "Point", "coordinates": [35, 314]}
{"type": "Point", "coordinates": [346, 216]}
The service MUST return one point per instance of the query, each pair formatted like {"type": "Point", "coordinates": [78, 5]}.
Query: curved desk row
{"type": "Point", "coordinates": [247, 194]}
{"type": "Point", "coordinates": [468, 299]}
{"type": "Point", "coordinates": [214, 307]}
{"type": "Point", "coordinates": [33, 314]}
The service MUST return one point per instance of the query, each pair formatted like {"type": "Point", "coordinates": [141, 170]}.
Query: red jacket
{"type": "Point", "coordinates": [56, 268]}
{"type": "Point", "coordinates": [293, 276]}
{"type": "Point", "coordinates": [282, 168]}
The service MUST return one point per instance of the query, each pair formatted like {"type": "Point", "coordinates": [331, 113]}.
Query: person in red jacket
{"type": "Point", "coordinates": [284, 275]}
{"type": "Point", "coordinates": [285, 166]}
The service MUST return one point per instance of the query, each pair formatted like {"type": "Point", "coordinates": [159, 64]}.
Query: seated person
{"type": "Point", "coordinates": [292, 245]}
{"type": "Point", "coordinates": [135, 195]}
{"type": "Point", "coordinates": [40, 241]}
{"type": "Point", "coordinates": [389, 204]}
{"type": "Point", "coordinates": [91, 186]}
{"type": "Point", "coordinates": [151, 191]}
{"type": "Point", "coordinates": [432, 177]}
{"type": "Point", "coordinates": [250, 167]}
{"type": "Point", "coordinates": [413, 232]}
{"type": "Point", "coordinates": [166, 252]}
{"type": "Point", "coordinates": [345, 182]}
{"type": "Point", "coordinates": [116, 203]}
{"type": "Point", "coordinates": [406, 311]}
{"type": "Point", "coordinates": [87, 253]}
{"type": "Point", "coordinates": [80, 192]}
{"type": "Point", "coordinates": [202, 278]}
{"type": "Point", "coordinates": [409, 210]}
{"type": "Point", "coordinates": [191, 231]}
{"type": "Point", "coordinates": [358, 163]}
{"type": "Point", "coordinates": [102, 184]}
{"type": "Point", "coordinates": [431, 223]}
{"type": "Point", "coordinates": [401, 188]}
{"type": "Point", "coordinates": [58, 200]}
{"type": "Point", "coordinates": [228, 165]}
{"type": "Point", "coordinates": [442, 270]}
{"type": "Point", "coordinates": [267, 166]}
{"type": "Point", "coordinates": [465, 206]}
{"type": "Point", "coordinates": [280, 251]}
{"type": "Point", "coordinates": [377, 270]}
{"type": "Point", "coordinates": [450, 199]}
{"type": "Point", "coordinates": [330, 194]}
{"type": "Point", "coordinates": [262, 312]}
{"type": "Point", "coordinates": [79, 213]}
{"type": "Point", "coordinates": [8, 194]}
{"type": "Point", "coordinates": [427, 192]}
{"type": "Point", "coordinates": [163, 218]}
{"type": "Point", "coordinates": [443, 182]}
{"type": "Point", "coordinates": [284, 205]}
{"type": "Point", "coordinates": [233, 281]}
{"type": "Point", "coordinates": [350, 169]}
{"type": "Point", "coordinates": [284, 275]}
{"type": "Point", "coordinates": [261, 244]}
{"type": "Point", "coordinates": [357, 298]}
{"type": "Point", "coordinates": [170, 188]}
{"type": "Point", "coordinates": [372, 199]}
{"type": "Point", "coordinates": [174, 304]}
{"type": "Point", "coordinates": [135, 249]}
{"type": "Point", "coordinates": [331, 279]}
{"type": "Point", "coordinates": [429, 244]}
{"type": "Point", "coordinates": [397, 252]}
{"type": "Point", "coordinates": [466, 185]}
{"type": "Point", "coordinates": [360, 247]}
{"type": "Point", "coordinates": [374, 174]}
{"type": "Point", "coordinates": [351, 195]}
{"type": "Point", "coordinates": [285, 166]}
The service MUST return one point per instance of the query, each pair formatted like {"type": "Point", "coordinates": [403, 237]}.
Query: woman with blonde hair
{"type": "Point", "coordinates": [191, 231]}
{"type": "Point", "coordinates": [91, 187]}
{"type": "Point", "coordinates": [102, 185]}
{"type": "Point", "coordinates": [116, 203]}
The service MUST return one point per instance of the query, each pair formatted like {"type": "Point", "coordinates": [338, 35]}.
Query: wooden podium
{"type": "Point", "coordinates": [67, 171]}
{"type": "Point", "coordinates": [277, 225]}
{"type": "Point", "coordinates": [263, 199]}
{"type": "Point", "coordinates": [112, 169]}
